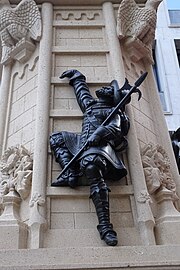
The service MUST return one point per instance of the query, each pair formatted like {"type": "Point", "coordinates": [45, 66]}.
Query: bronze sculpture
{"type": "Point", "coordinates": [99, 144]}
{"type": "Point", "coordinates": [175, 138]}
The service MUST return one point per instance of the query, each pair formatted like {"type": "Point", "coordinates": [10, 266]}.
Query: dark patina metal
{"type": "Point", "coordinates": [94, 152]}
{"type": "Point", "coordinates": [175, 138]}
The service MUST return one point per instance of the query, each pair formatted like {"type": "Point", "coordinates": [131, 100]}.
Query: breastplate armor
{"type": "Point", "coordinates": [93, 118]}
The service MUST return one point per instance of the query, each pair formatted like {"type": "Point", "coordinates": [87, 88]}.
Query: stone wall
{"type": "Point", "coordinates": [80, 42]}
{"type": "Point", "coordinates": [22, 111]}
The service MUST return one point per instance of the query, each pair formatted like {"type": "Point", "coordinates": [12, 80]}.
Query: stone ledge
{"type": "Point", "coordinates": [57, 81]}
{"type": "Point", "coordinates": [91, 24]}
{"type": "Point", "coordinates": [139, 257]}
{"type": "Point", "coordinates": [66, 114]}
{"type": "Point", "coordinates": [84, 191]}
{"type": "Point", "coordinates": [79, 50]}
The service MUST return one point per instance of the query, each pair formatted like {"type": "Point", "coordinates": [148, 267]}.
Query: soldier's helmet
{"type": "Point", "coordinates": [120, 93]}
{"type": "Point", "coordinates": [113, 94]}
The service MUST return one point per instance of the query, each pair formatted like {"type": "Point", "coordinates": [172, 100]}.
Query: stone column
{"type": "Point", "coordinates": [4, 95]}
{"type": "Point", "coordinates": [164, 138]}
{"type": "Point", "coordinates": [37, 204]}
{"type": "Point", "coordinates": [144, 213]}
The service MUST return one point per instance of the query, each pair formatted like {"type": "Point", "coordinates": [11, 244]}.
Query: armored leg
{"type": "Point", "coordinates": [63, 156]}
{"type": "Point", "coordinates": [99, 195]}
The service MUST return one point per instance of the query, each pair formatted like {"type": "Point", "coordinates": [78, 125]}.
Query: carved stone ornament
{"type": "Point", "coordinates": [157, 172]}
{"type": "Point", "coordinates": [144, 197]}
{"type": "Point", "coordinates": [78, 15]}
{"type": "Point", "coordinates": [136, 28]}
{"type": "Point", "coordinates": [37, 198]}
{"type": "Point", "coordinates": [16, 171]}
{"type": "Point", "coordinates": [19, 28]}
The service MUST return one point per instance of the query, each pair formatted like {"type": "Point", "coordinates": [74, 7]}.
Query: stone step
{"type": "Point", "coordinates": [104, 257]}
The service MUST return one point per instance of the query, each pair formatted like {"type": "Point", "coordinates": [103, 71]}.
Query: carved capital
{"type": "Point", "coordinates": [16, 171]}
{"type": "Point", "coordinates": [20, 28]}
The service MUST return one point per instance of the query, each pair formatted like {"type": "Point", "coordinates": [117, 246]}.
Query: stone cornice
{"type": "Point", "coordinates": [76, 2]}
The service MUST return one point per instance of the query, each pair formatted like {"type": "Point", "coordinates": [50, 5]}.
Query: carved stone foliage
{"type": "Point", "coordinates": [19, 28]}
{"type": "Point", "coordinates": [136, 28]}
{"type": "Point", "coordinates": [157, 172]}
{"type": "Point", "coordinates": [16, 171]}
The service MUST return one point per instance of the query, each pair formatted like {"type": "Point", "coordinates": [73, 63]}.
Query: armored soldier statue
{"type": "Point", "coordinates": [99, 160]}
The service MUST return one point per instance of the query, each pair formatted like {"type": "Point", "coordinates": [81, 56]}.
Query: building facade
{"type": "Point", "coordinates": [167, 61]}
{"type": "Point", "coordinates": [44, 227]}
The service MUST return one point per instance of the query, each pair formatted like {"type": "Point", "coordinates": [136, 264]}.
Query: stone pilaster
{"type": "Point", "coordinates": [145, 218]}
{"type": "Point", "coordinates": [4, 95]}
{"type": "Point", "coordinates": [37, 220]}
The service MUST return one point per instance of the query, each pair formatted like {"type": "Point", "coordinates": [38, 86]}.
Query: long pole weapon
{"type": "Point", "coordinates": [123, 102]}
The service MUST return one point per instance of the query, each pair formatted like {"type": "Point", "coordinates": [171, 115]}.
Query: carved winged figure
{"type": "Point", "coordinates": [23, 21]}
{"type": "Point", "coordinates": [138, 23]}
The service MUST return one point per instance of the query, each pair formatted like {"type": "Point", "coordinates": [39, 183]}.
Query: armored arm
{"type": "Point", "coordinates": [81, 89]}
{"type": "Point", "coordinates": [114, 131]}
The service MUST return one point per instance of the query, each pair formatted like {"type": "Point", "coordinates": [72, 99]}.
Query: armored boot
{"type": "Point", "coordinates": [101, 201]}
{"type": "Point", "coordinates": [70, 177]}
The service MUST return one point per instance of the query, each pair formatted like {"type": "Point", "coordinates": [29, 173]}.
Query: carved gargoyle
{"type": "Point", "coordinates": [16, 171]}
{"type": "Point", "coordinates": [136, 26]}
{"type": "Point", "coordinates": [19, 27]}
{"type": "Point", "coordinates": [157, 172]}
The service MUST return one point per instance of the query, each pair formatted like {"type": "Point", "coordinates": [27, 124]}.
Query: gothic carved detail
{"type": "Point", "coordinates": [144, 197]}
{"type": "Point", "coordinates": [16, 171]}
{"type": "Point", "coordinates": [157, 172]}
{"type": "Point", "coordinates": [37, 198]}
{"type": "Point", "coordinates": [79, 15]}
{"type": "Point", "coordinates": [19, 28]}
{"type": "Point", "coordinates": [30, 65]}
{"type": "Point", "coordinates": [136, 28]}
